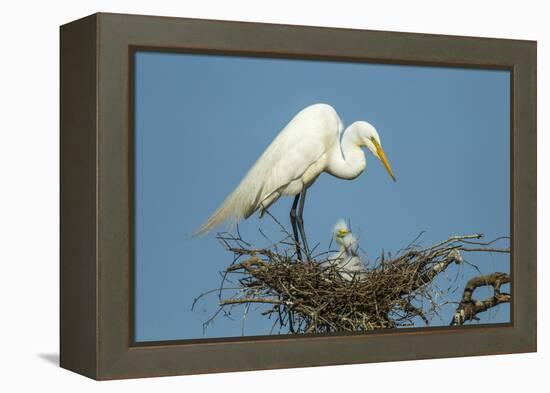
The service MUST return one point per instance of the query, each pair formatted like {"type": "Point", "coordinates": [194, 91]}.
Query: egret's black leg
{"type": "Point", "coordinates": [294, 227]}
{"type": "Point", "coordinates": [300, 222]}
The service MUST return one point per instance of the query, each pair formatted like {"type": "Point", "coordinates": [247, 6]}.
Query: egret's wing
{"type": "Point", "coordinates": [289, 161]}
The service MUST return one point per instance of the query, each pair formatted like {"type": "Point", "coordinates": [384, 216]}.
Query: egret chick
{"type": "Point", "coordinates": [346, 261]}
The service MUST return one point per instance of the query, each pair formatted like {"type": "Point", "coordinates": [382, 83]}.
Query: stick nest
{"type": "Point", "coordinates": [312, 296]}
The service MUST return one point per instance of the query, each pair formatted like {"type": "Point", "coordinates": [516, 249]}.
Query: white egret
{"type": "Point", "coordinates": [311, 143]}
{"type": "Point", "coordinates": [346, 261]}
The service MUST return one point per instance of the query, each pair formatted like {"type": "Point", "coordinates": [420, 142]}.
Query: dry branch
{"type": "Point", "coordinates": [469, 307]}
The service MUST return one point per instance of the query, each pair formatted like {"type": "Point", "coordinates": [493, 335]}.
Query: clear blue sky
{"type": "Point", "coordinates": [203, 120]}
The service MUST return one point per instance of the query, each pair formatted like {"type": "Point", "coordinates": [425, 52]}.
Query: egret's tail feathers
{"type": "Point", "coordinates": [222, 214]}
{"type": "Point", "coordinates": [240, 204]}
{"type": "Point", "coordinates": [256, 189]}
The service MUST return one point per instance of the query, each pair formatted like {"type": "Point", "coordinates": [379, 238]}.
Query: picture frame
{"type": "Point", "coordinates": [96, 196]}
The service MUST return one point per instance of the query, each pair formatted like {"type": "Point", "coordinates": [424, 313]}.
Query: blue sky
{"type": "Point", "coordinates": [202, 121]}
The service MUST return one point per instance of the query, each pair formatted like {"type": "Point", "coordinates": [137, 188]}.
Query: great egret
{"type": "Point", "coordinates": [308, 145]}
{"type": "Point", "coordinates": [346, 261]}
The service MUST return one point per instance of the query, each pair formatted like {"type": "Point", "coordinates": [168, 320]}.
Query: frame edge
{"type": "Point", "coordinates": [117, 357]}
{"type": "Point", "coordinates": [78, 197]}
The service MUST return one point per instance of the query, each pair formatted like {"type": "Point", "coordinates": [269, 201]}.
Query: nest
{"type": "Point", "coordinates": [313, 297]}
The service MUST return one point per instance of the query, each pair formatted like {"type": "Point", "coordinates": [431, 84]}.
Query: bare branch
{"type": "Point", "coordinates": [469, 307]}
{"type": "Point", "coordinates": [251, 300]}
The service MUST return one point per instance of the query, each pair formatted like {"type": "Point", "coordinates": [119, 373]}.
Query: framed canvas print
{"type": "Point", "coordinates": [241, 196]}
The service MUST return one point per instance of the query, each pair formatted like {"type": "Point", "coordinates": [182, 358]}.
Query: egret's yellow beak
{"type": "Point", "coordinates": [342, 232]}
{"type": "Point", "coordinates": [382, 157]}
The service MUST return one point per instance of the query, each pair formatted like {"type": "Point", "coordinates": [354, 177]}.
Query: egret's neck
{"type": "Point", "coordinates": [347, 160]}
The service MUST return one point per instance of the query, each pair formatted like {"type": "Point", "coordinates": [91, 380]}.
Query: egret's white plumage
{"type": "Point", "coordinates": [312, 142]}
{"type": "Point", "coordinates": [346, 261]}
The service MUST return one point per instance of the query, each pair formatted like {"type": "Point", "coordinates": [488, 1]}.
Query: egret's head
{"type": "Point", "coordinates": [340, 232]}
{"type": "Point", "coordinates": [370, 138]}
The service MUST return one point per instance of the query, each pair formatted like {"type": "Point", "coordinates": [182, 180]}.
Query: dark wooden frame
{"type": "Point", "coordinates": [96, 196]}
